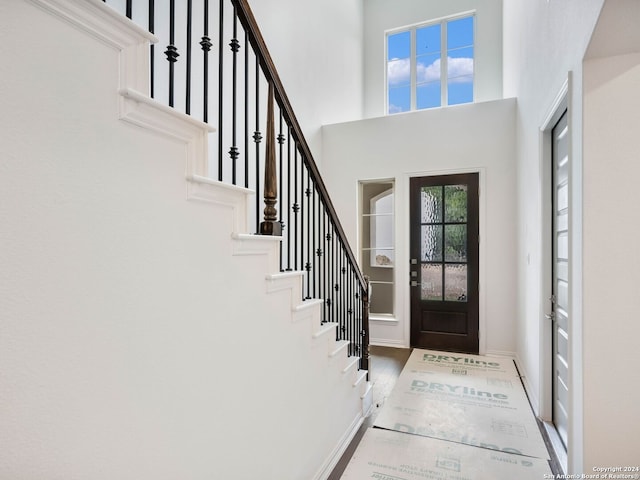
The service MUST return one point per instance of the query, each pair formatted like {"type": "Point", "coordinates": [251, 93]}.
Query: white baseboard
{"type": "Point", "coordinates": [500, 353]}
{"type": "Point", "coordinates": [533, 398]}
{"type": "Point", "coordinates": [557, 445]}
{"type": "Point", "coordinates": [383, 342]}
{"type": "Point", "coordinates": [335, 456]}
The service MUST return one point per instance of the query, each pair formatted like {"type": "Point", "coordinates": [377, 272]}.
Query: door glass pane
{"type": "Point", "coordinates": [455, 243]}
{"type": "Point", "coordinates": [455, 198]}
{"type": "Point", "coordinates": [431, 243]}
{"type": "Point", "coordinates": [431, 286]}
{"type": "Point", "coordinates": [431, 201]}
{"type": "Point", "coordinates": [455, 280]}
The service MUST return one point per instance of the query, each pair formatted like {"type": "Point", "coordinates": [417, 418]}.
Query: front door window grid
{"type": "Point", "coordinates": [444, 243]}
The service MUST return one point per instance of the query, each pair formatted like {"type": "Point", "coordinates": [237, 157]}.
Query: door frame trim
{"type": "Point", "coordinates": [561, 102]}
{"type": "Point", "coordinates": [403, 195]}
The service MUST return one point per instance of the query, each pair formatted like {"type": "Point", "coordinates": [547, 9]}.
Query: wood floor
{"type": "Point", "coordinates": [386, 365]}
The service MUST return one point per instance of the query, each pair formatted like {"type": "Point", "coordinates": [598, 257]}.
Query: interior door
{"type": "Point", "coordinates": [560, 281]}
{"type": "Point", "coordinates": [444, 262]}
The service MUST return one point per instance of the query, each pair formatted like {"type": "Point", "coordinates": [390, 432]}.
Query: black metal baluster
{"type": "Point", "coordinates": [347, 314]}
{"type": "Point", "coordinates": [313, 238]}
{"type": "Point", "coordinates": [345, 293]}
{"type": "Point", "coordinates": [295, 207]}
{"type": "Point", "coordinates": [303, 192]}
{"type": "Point", "coordinates": [206, 45]}
{"type": "Point", "coordinates": [307, 266]}
{"type": "Point", "coordinates": [354, 315]}
{"type": "Point", "coordinates": [220, 89]}
{"type": "Point", "coordinates": [187, 100]}
{"type": "Point", "coordinates": [172, 51]}
{"type": "Point", "coordinates": [349, 308]}
{"type": "Point", "coordinates": [235, 47]}
{"type": "Point", "coordinates": [334, 284]}
{"type": "Point", "coordinates": [320, 255]}
{"type": "Point", "coordinates": [246, 110]}
{"type": "Point", "coordinates": [339, 297]}
{"type": "Point", "coordinates": [288, 199]}
{"type": "Point", "coordinates": [257, 138]}
{"type": "Point", "coordinates": [128, 8]}
{"type": "Point", "coordinates": [281, 199]}
{"type": "Point", "coordinates": [327, 289]}
{"type": "Point", "coordinates": [359, 299]}
{"type": "Point", "coordinates": [152, 26]}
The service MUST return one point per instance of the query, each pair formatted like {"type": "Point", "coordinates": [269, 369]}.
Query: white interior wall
{"type": "Point", "coordinates": [317, 49]}
{"type": "Point", "coordinates": [611, 260]}
{"type": "Point", "coordinates": [128, 347]}
{"type": "Point", "coordinates": [555, 36]}
{"type": "Point", "coordinates": [382, 15]}
{"type": "Point", "coordinates": [474, 137]}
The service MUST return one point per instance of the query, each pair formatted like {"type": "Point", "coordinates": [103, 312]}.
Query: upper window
{"type": "Point", "coordinates": [430, 65]}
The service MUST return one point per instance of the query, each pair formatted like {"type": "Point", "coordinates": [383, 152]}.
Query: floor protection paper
{"type": "Point", "coordinates": [468, 399]}
{"type": "Point", "coordinates": [461, 364]}
{"type": "Point", "coordinates": [388, 455]}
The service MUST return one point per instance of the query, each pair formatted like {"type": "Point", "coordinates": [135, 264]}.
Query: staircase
{"type": "Point", "coordinates": [159, 338]}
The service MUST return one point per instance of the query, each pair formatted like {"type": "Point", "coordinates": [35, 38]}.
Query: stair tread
{"type": "Point", "coordinates": [285, 275]}
{"type": "Point", "coordinates": [250, 237]}
{"type": "Point", "coordinates": [362, 374]}
{"type": "Point", "coordinates": [308, 304]}
{"type": "Point", "coordinates": [326, 328]}
{"type": "Point", "coordinates": [340, 345]}
{"type": "Point", "coordinates": [352, 361]}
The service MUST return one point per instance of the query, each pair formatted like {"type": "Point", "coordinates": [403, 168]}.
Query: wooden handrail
{"type": "Point", "coordinates": [248, 21]}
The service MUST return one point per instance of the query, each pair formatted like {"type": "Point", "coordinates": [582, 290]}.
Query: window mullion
{"type": "Point", "coordinates": [414, 71]}
{"type": "Point", "coordinates": [444, 62]}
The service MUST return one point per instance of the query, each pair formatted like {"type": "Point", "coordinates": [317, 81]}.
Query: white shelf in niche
{"type": "Point", "coordinates": [383, 318]}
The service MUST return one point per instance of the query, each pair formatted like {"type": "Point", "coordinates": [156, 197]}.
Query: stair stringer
{"type": "Point", "coordinates": [327, 398]}
{"type": "Point", "coordinates": [348, 384]}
